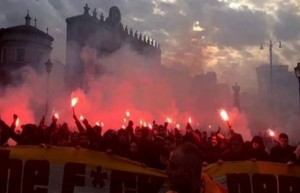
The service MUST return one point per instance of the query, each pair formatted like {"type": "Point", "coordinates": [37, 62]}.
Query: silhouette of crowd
{"type": "Point", "coordinates": [151, 146]}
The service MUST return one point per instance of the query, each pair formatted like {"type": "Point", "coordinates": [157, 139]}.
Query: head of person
{"type": "Point", "coordinates": [123, 137]}
{"type": "Point", "coordinates": [283, 140]}
{"type": "Point", "coordinates": [237, 143]}
{"type": "Point", "coordinates": [83, 140]}
{"type": "Point", "coordinates": [184, 168]}
{"type": "Point", "coordinates": [257, 143]}
{"type": "Point", "coordinates": [214, 140]}
{"type": "Point", "coordinates": [133, 147]}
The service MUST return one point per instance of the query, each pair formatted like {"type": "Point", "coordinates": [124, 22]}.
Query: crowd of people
{"type": "Point", "coordinates": [150, 146]}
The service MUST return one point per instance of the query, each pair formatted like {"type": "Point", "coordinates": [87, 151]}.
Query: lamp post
{"type": "Point", "coordinates": [49, 65]}
{"type": "Point", "coordinates": [297, 73]}
{"type": "Point", "coordinates": [271, 44]}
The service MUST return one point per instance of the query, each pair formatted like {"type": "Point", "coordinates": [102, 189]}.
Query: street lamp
{"type": "Point", "coordinates": [271, 44]}
{"type": "Point", "coordinates": [297, 73]}
{"type": "Point", "coordinates": [49, 65]}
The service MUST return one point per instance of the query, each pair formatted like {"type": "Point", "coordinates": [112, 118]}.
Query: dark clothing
{"type": "Point", "coordinates": [231, 155]}
{"type": "Point", "coordinates": [260, 155]}
{"type": "Point", "coordinates": [282, 155]}
{"type": "Point", "coordinates": [5, 132]}
{"type": "Point", "coordinates": [213, 154]}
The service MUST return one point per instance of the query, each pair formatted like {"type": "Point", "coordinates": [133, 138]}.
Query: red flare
{"type": "Point", "coordinates": [74, 101]}
{"type": "Point", "coordinates": [224, 115]}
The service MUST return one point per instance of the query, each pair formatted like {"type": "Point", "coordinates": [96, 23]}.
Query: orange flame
{"type": "Point", "coordinates": [224, 115]}
{"type": "Point", "coordinates": [74, 101]}
{"type": "Point", "coordinates": [17, 122]}
{"type": "Point", "coordinates": [81, 117]}
{"type": "Point", "coordinates": [169, 120]}
{"type": "Point", "coordinates": [271, 132]}
{"type": "Point", "coordinates": [56, 115]}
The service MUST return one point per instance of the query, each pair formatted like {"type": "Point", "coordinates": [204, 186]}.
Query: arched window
{"type": "Point", "coordinates": [3, 55]}
{"type": "Point", "coordinates": [20, 55]}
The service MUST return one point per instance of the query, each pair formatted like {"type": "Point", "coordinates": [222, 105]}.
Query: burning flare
{"type": "Point", "coordinates": [127, 114]}
{"type": "Point", "coordinates": [17, 122]}
{"type": "Point", "coordinates": [74, 101]}
{"type": "Point", "coordinates": [169, 120]}
{"type": "Point", "coordinates": [190, 120]}
{"type": "Point", "coordinates": [271, 133]}
{"type": "Point", "coordinates": [56, 115]}
{"type": "Point", "coordinates": [224, 115]}
{"type": "Point", "coordinates": [81, 117]}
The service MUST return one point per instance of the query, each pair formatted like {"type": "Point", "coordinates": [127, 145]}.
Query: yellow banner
{"type": "Point", "coordinates": [72, 170]}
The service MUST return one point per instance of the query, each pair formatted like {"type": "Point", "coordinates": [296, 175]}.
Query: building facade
{"type": "Point", "coordinates": [282, 102]}
{"type": "Point", "coordinates": [23, 45]}
{"type": "Point", "coordinates": [90, 37]}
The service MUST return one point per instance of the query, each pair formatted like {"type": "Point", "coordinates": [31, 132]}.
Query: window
{"type": "Point", "coordinates": [3, 55]}
{"type": "Point", "coordinates": [39, 57]}
{"type": "Point", "coordinates": [20, 55]}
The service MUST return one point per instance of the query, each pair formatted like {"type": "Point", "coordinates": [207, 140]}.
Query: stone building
{"type": "Point", "coordinates": [23, 45]}
{"type": "Point", "coordinates": [90, 37]}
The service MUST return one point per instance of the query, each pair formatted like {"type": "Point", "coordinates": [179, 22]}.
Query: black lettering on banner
{"type": "Point", "coordinates": [130, 183]}
{"type": "Point", "coordinates": [148, 184]}
{"type": "Point", "coordinates": [15, 175]}
{"type": "Point", "coordinates": [238, 183]}
{"type": "Point", "coordinates": [116, 182]}
{"type": "Point", "coordinates": [133, 183]}
{"type": "Point", "coordinates": [264, 183]}
{"type": "Point", "coordinates": [36, 173]}
{"type": "Point", "coordinates": [4, 155]}
{"type": "Point", "coordinates": [74, 175]}
{"type": "Point", "coordinates": [289, 184]}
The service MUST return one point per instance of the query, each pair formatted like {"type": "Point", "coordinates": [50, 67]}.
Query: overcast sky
{"type": "Point", "coordinates": [195, 35]}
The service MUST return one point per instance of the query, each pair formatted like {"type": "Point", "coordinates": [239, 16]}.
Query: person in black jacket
{"type": "Point", "coordinates": [257, 149]}
{"type": "Point", "coordinates": [283, 152]}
